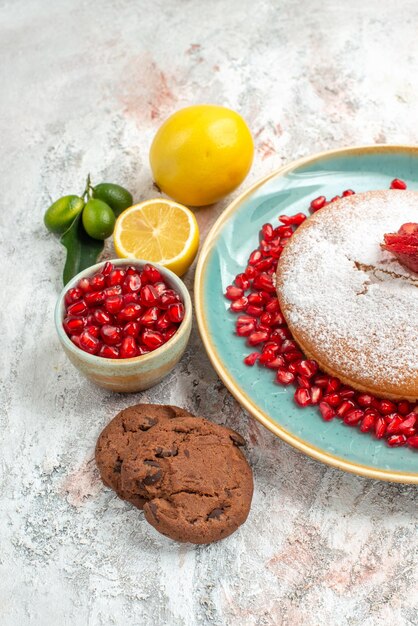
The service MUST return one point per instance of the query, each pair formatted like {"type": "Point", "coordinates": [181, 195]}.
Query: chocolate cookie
{"type": "Point", "coordinates": [194, 479]}
{"type": "Point", "coordinates": [125, 429]}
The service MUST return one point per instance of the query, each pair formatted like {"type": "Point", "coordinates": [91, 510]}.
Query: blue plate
{"type": "Point", "coordinates": [225, 253]}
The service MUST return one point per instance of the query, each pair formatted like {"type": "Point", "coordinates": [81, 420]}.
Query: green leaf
{"type": "Point", "coordinates": [82, 250]}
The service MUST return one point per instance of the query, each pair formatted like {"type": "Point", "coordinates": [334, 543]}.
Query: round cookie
{"type": "Point", "coordinates": [126, 428]}
{"type": "Point", "coordinates": [196, 482]}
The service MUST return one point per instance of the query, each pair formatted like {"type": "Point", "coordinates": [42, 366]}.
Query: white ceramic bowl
{"type": "Point", "coordinates": [140, 372]}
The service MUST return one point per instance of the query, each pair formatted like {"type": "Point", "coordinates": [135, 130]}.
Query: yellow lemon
{"type": "Point", "coordinates": [159, 231]}
{"type": "Point", "coordinates": [201, 153]}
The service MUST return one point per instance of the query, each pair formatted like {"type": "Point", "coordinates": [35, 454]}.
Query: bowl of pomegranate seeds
{"type": "Point", "coordinates": [124, 324]}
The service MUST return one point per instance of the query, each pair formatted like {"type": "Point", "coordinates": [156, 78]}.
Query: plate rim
{"type": "Point", "coordinates": [242, 398]}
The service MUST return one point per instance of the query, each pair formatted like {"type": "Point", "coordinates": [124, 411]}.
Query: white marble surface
{"type": "Point", "coordinates": [84, 85]}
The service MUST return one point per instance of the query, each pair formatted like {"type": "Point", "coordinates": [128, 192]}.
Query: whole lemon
{"type": "Point", "coordinates": [201, 153]}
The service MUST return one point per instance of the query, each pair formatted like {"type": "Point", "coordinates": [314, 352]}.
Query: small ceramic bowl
{"type": "Point", "coordinates": [140, 372]}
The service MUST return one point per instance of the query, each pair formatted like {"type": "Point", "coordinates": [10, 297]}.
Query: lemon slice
{"type": "Point", "coordinates": [159, 231]}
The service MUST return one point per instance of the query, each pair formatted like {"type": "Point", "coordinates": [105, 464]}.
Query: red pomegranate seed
{"type": "Point", "coordinates": [115, 277]}
{"type": "Point", "coordinates": [233, 293]}
{"type": "Point", "coordinates": [132, 284]}
{"type": "Point", "coordinates": [257, 337]}
{"type": "Point", "coordinates": [152, 339]}
{"type": "Point", "coordinates": [321, 381]}
{"type": "Point", "coordinates": [167, 298]}
{"type": "Point", "coordinates": [317, 203]}
{"type": "Point", "coordinates": [131, 329]}
{"type": "Point", "coordinates": [308, 368]}
{"type": "Point", "coordinates": [386, 407]}
{"type": "Point", "coordinates": [73, 295]}
{"type": "Point", "coordinates": [84, 285]}
{"type": "Point", "coordinates": [316, 394]}
{"type": "Point", "coordinates": [368, 421]}
{"type": "Point", "coordinates": [333, 399]}
{"type": "Point", "coordinates": [97, 282]}
{"type": "Point", "coordinates": [150, 274]}
{"type": "Point", "coordinates": [281, 334]}
{"type": "Point", "coordinates": [93, 330]}
{"type": "Point", "coordinates": [293, 356]}
{"type": "Point", "coordinates": [250, 272]}
{"type": "Point", "coordinates": [130, 298]}
{"type": "Point", "coordinates": [175, 313]}
{"type": "Point", "coordinates": [170, 332]}
{"type": "Point", "coordinates": [292, 367]}
{"type": "Point", "coordinates": [393, 425]}
{"type": "Point", "coordinates": [408, 422]}
{"type": "Point", "coordinates": [335, 198]}
{"type": "Point", "coordinates": [150, 317]}
{"type": "Point", "coordinates": [239, 305]}
{"type": "Point", "coordinates": [413, 441]}
{"type": "Point", "coordinates": [74, 325]}
{"type": "Point", "coordinates": [404, 407]}
{"type": "Point", "coordinates": [243, 320]}
{"type": "Point", "coordinates": [303, 381]}
{"type": "Point", "coordinates": [148, 296]}
{"type": "Point", "coordinates": [345, 407]}
{"type": "Point", "coordinates": [107, 268]}
{"type": "Point", "coordinates": [130, 312]}
{"type": "Point", "coordinates": [254, 310]}
{"type": "Point", "coordinates": [364, 400]}
{"type": "Point", "coordinates": [108, 352]}
{"type": "Point", "coordinates": [264, 282]}
{"type": "Point", "coordinates": [111, 335]}
{"type": "Point", "coordinates": [77, 308]}
{"type": "Point", "coordinates": [255, 298]}
{"type": "Point", "coordinates": [76, 340]}
{"type": "Point", "coordinates": [102, 317]}
{"type": "Point", "coordinates": [113, 304]}
{"type": "Point", "coordinates": [266, 356]}
{"type": "Point", "coordinates": [276, 363]}
{"type": "Point", "coordinates": [353, 417]}
{"type": "Point", "coordinates": [88, 343]}
{"type": "Point", "coordinates": [255, 257]}
{"type": "Point", "coordinates": [326, 411]}
{"type": "Point", "coordinates": [162, 322]}
{"type": "Point", "coordinates": [397, 183]}
{"type": "Point", "coordinates": [346, 393]}
{"type": "Point", "coordinates": [348, 192]}
{"type": "Point", "coordinates": [128, 348]}
{"type": "Point", "coordinates": [245, 331]}
{"type": "Point", "coordinates": [242, 281]}
{"type": "Point", "coordinates": [380, 427]}
{"type": "Point", "coordinates": [397, 440]}
{"type": "Point", "coordinates": [94, 297]}
{"type": "Point", "coordinates": [333, 385]}
{"type": "Point", "coordinates": [302, 397]}
{"type": "Point", "coordinates": [251, 358]}
{"type": "Point", "coordinates": [273, 306]}
{"type": "Point", "coordinates": [112, 291]}
{"type": "Point", "coordinates": [284, 377]}
{"type": "Point", "coordinates": [292, 219]}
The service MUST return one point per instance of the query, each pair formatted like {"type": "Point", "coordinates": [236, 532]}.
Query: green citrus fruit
{"type": "Point", "coordinates": [61, 214]}
{"type": "Point", "coordinates": [98, 219]}
{"type": "Point", "coordinates": [117, 197]}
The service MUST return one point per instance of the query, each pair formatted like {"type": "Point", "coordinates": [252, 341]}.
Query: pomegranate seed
{"type": "Point", "coordinates": [88, 343]}
{"type": "Point", "coordinates": [254, 310]}
{"type": "Point", "coordinates": [266, 356]}
{"type": "Point", "coordinates": [353, 417]}
{"type": "Point", "coordinates": [160, 288]}
{"type": "Point", "coordinates": [242, 281]}
{"type": "Point", "coordinates": [386, 407]}
{"type": "Point", "coordinates": [333, 399]}
{"type": "Point", "coordinates": [251, 358]}
{"type": "Point", "coordinates": [284, 377]}
{"type": "Point", "coordinates": [150, 274]}
{"type": "Point", "coordinates": [293, 219]}
{"type": "Point", "coordinates": [107, 268]}
{"type": "Point", "coordinates": [273, 306]}
{"type": "Point", "coordinates": [345, 407]}
{"type": "Point", "coordinates": [326, 411]}
{"type": "Point", "coordinates": [73, 295]}
{"type": "Point", "coordinates": [276, 363]}
{"type": "Point", "coordinates": [148, 296]}
{"type": "Point", "coordinates": [108, 352]}
{"type": "Point", "coordinates": [255, 257]}
{"type": "Point", "coordinates": [255, 298]}
{"type": "Point", "coordinates": [348, 192]}
{"type": "Point", "coordinates": [76, 340]}
{"type": "Point", "coordinates": [294, 355]}
{"type": "Point", "coordinates": [266, 319]}
{"type": "Point", "coordinates": [408, 422]}
{"type": "Point", "coordinates": [380, 427]}
{"type": "Point", "coordinates": [264, 282]}
{"type": "Point", "coordinates": [316, 394]}
{"type": "Point", "coordinates": [93, 330]}
{"type": "Point", "coordinates": [113, 304]}
{"type": "Point", "coordinates": [257, 337]}
{"type": "Point", "coordinates": [102, 317]}
{"type": "Point", "coordinates": [245, 331]}
{"type": "Point", "coordinates": [128, 348]}
{"type": "Point", "coordinates": [77, 308]}
{"type": "Point", "coordinates": [130, 312]}
{"type": "Point", "coordinates": [239, 305]}
{"type": "Point", "coordinates": [167, 298]}
{"type": "Point", "coordinates": [317, 203]}
{"type": "Point", "coordinates": [346, 393]}
{"type": "Point", "coordinates": [233, 293]}
{"type": "Point", "coordinates": [321, 381]}
{"type": "Point", "coordinates": [333, 385]}
{"type": "Point", "coordinates": [111, 335]}
{"type": "Point", "coordinates": [292, 366]}
{"type": "Point", "coordinates": [84, 285]}
{"type": "Point", "coordinates": [413, 441]}
{"type": "Point", "coordinates": [152, 339]}
{"type": "Point", "coordinates": [281, 334]}
{"type": "Point", "coordinates": [162, 322]}
{"type": "Point", "coordinates": [112, 291]}
{"type": "Point", "coordinates": [97, 282]}
{"type": "Point", "coordinates": [404, 407]}
{"type": "Point", "coordinates": [302, 397]}
{"type": "Point", "coordinates": [364, 400]}
{"type": "Point", "coordinates": [170, 332]}
{"type": "Point", "coordinates": [393, 425]}
{"type": "Point", "coordinates": [115, 277]}
{"type": "Point", "coordinates": [74, 325]}
{"type": "Point", "coordinates": [288, 346]}
{"type": "Point", "coordinates": [303, 381]}
{"type": "Point", "coordinates": [94, 297]}
{"type": "Point", "coordinates": [130, 298]}
{"type": "Point", "coordinates": [175, 313]}
{"type": "Point", "coordinates": [131, 329]}
{"type": "Point", "coordinates": [397, 183]}
{"type": "Point", "coordinates": [150, 317]}
{"type": "Point", "coordinates": [132, 284]}
{"type": "Point", "coordinates": [250, 272]}
{"type": "Point", "coordinates": [335, 198]}
{"type": "Point", "coordinates": [308, 368]}
{"type": "Point", "coordinates": [368, 421]}
{"type": "Point", "coordinates": [243, 320]}
{"type": "Point", "coordinates": [397, 440]}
